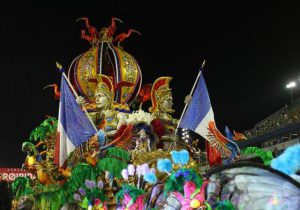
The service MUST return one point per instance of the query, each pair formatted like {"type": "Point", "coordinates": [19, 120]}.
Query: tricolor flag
{"type": "Point", "coordinates": [199, 112]}
{"type": "Point", "coordinates": [73, 127]}
{"type": "Point", "coordinates": [199, 117]}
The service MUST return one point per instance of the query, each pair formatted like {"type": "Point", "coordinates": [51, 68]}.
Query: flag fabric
{"type": "Point", "coordinates": [73, 127]}
{"type": "Point", "coordinates": [199, 112]}
{"type": "Point", "coordinates": [199, 117]}
{"type": "Point", "coordinates": [228, 133]}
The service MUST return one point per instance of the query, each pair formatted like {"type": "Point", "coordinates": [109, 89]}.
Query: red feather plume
{"type": "Point", "coordinates": [123, 138]}
{"type": "Point", "coordinates": [145, 93]}
{"type": "Point", "coordinates": [213, 155]}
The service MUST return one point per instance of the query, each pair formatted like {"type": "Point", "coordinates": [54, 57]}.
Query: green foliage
{"type": "Point", "coordinates": [266, 156]}
{"type": "Point", "coordinates": [131, 190]}
{"type": "Point", "coordinates": [95, 193]}
{"type": "Point", "coordinates": [112, 165]}
{"type": "Point", "coordinates": [46, 128]}
{"type": "Point", "coordinates": [80, 173]}
{"type": "Point", "coordinates": [224, 205]}
{"type": "Point", "coordinates": [49, 200]}
{"type": "Point", "coordinates": [208, 207]}
{"type": "Point", "coordinates": [84, 203]}
{"type": "Point", "coordinates": [45, 196]}
{"type": "Point", "coordinates": [174, 183]}
{"type": "Point", "coordinates": [118, 153]}
{"type": "Point", "coordinates": [21, 186]}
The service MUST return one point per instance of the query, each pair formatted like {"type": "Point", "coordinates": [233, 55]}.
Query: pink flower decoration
{"type": "Point", "coordinates": [137, 205]}
{"type": "Point", "coordinates": [190, 195]}
{"type": "Point", "coordinates": [97, 202]}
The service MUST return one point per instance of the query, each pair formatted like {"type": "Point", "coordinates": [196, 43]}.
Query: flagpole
{"type": "Point", "coordinates": [76, 95]}
{"type": "Point", "coordinates": [193, 88]}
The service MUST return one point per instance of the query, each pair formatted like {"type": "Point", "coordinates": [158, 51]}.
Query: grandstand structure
{"type": "Point", "coordinates": [276, 132]}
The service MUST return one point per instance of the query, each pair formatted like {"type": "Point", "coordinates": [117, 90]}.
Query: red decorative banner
{"type": "Point", "coordinates": [10, 174]}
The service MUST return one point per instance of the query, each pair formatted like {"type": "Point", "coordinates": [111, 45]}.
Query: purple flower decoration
{"type": "Point", "coordinates": [152, 170]}
{"type": "Point", "coordinates": [125, 174]}
{"type": "Point", "coordinates": [145, 168]}
{"type": "Point", "coordinates": [183, 173]}
{"type": "Point", "coordinates": [131, 169]}
{"type": "Point", "coordinates": [77, 197]}
{"type": "Point", "coordinates": [186, 174]}
{"type": "Point", "coordinates": [139, 170]}
{"type": "Point", "coordinates": [178, 174]}
{"type": "Point", "coordinates": [100, 184]}
{"type": "Point", "coordinates": [81, 191]}
{"type": "Point", "coordinates": [90, 184]}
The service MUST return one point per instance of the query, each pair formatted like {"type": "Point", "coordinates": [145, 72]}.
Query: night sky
{"type": "Point", "coordinates": [252, 52]}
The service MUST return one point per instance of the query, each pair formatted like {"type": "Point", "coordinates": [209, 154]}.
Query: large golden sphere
{"type": "Point", "coordinates": [107, 59]}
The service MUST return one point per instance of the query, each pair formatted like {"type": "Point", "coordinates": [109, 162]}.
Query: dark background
{"type": "Point", "coordinates": [252, 51]}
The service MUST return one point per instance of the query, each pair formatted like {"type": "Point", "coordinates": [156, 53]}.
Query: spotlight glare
{"type": "Point", "coordinates": [291, 85]}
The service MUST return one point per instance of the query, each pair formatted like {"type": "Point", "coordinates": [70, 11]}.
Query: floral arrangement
{"type": "Point", "coordinates": [136, 177]}
{"type": "Point", "coordinates": [91, 196]}
{"type": "Point", "coordinates": [184, 184]}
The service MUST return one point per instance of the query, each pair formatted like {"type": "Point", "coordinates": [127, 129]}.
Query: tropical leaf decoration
{"type": "Point", "coordinates": [266, 156]}
{"type": "Point", "coordinates": [48, 197]}
{"type": "Point", "coordinates": [131, 190]}
{"type": "Point", "coordinates": [21, 186]}
{"type": "Point", "coordinates": [177, 179]}
{"type": "Point", "coordinates": [49, 200]}
{"type": "Point", "coordinates": [80, 173]}
{"type": "Point", "coordinates": [114, 161]}
{"type": "Point", "coordinates": [118, 153]}
{"type": "Point", "coordinates": [112, 165]}
{"type": "Point", "coordinates": [46, 128]}
{"type": "Point", "coordinates": [96, 193]}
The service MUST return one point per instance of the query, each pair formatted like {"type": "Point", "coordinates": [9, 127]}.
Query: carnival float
{"type": "Point", "coordinates": [104, 151]}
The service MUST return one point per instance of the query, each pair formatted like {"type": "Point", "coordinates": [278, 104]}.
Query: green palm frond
{"type": "Point", "coordinates": [112, 165]}
{"type": "Point", "coordinates": [47, 127]}
{"type": "Point", "coordinates": [21, 186]}
{"type": "Point", "coordinates": [266, 156]}
{"type": "Point", "coordinates": [118, 153]}
{"type": "Point", "coordinates": [80, 173]}
{"type": "Point", "coordinates": [49, 200]}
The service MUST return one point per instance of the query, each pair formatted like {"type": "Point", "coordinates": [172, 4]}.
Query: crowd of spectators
{"type": "Point", "coordinates": [275, 141]}
{"type": "Point", "coordinates": [276, 122]}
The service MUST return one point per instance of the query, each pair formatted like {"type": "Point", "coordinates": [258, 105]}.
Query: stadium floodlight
{"type": "Point", "coordinates": [291, 85]}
